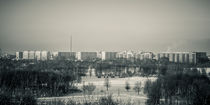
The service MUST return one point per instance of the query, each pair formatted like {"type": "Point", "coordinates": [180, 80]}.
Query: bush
{"type": "Point", "coordinates": [28, 100]}
{"type": "Point", "coordinates": [5, 99]}
{"type": "Point", "coordinates": [107, 101]}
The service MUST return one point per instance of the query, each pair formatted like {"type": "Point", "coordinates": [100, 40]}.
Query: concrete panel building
{"type": "Point", "coordinates": [19, 55]}
{"type": "Point", "coordinates": [108, 55]}
{"type": "Point", "coordinates": [25, 54]}
{"type": "Point", "coordinates": [38, 55]}
{"type": "Point", "coordinates": [53, 55]}
{"type": "Point", "coordinates": [179, 57]}
{"type": "Point", "coordinates": [31, 55]}
{"type": "Point", "coordinates": [171, 57]}
{"type": "Point", "coordinates": [44, 55]}
{"type": "Point", "coordinates": [86, 55]}
{"type": "Point", "coordinates": [66, 55]}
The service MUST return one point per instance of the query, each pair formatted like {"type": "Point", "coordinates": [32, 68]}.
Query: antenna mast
{"type": "Point", "coordinates": [71, 43]}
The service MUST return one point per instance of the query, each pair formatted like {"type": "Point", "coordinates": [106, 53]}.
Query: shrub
{"type": "Point", "coordinates": [107, 101]}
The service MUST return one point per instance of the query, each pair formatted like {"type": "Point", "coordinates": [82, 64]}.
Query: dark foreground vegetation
{"type": "Point", "coordinates": [179, 85]}
{"type": "Point", "coordinates": [22, 82]}
{"type": "Point", "coordinates": [105, 100]}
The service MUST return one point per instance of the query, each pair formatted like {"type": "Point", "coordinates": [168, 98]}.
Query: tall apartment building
{"type": "Point", "coordinates": [108, 55]}
{"type": "Point", "coordinates": [201, 56]}
{"type": "Point", "coordinates": [99, 54]}
{"type": "Point", "coordinates": [125, 54]}
{"type": "Point", "coordinates": [66, 55]}
{"type": "Point", "coordinates": [178, 57]}
{"type": "Point", "coordinates": [25, 54]}
{"type": "Point", "coordinates": [53, 55]}
{"type": "Point", "coordinates": [31, 55]}
{"type": "Point", "coordinates": [44, 55]}
{"type": "Point", "coordinates": [86, 55]}
{"type": "Point", "coordinates": [19, 55]}
{"type": "Point", "coordinates": [144, 55]}
{"type": "Point", "coordinates": [37, 55]}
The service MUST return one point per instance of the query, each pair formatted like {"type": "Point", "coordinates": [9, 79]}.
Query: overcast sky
{"type": "Point", "coordinates": [110, 25]}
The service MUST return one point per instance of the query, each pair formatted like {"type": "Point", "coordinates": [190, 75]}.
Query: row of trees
{"type": "Point", "coordinates": [38, 79]}
{"type": "Point", "coordinates": [190, 88]}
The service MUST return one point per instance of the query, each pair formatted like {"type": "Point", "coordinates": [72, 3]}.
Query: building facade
{"type": "Point", "coordinates": [38, 55]}
{"type": "Point", "coordinates": [25, 54]}
{"type": "Point", "coordinates": [108, 55]}
{"type": "Point", "coordinates": [19, 55]}
{"type": "Point", "coordinates": [86, 55]}
{"type": "Point", "coordinates": [66, 55]}
{"type": "Point", "coordinates": [178, 57]}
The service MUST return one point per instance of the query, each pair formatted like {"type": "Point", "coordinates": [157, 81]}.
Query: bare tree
{"type": "Point", "coordinates": [107, 83]}
{"type": "Point", "coordinates": [137, 87]}
{"type": "Point", "coordinates": [127, 86]}
{"type": "Point", "coordinates": [88, 88]}
{"type": "Point", "coordinates": [147, 86]}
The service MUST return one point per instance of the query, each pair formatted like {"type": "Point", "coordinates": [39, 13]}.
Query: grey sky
{"type": "Point", "coordinates": [110, 25]}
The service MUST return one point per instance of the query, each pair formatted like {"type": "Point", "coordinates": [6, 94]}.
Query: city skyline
{"type": "Point", "coordinates": [115, 25]}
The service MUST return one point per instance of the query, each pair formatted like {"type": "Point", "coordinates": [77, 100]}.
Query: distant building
{"type": "Point", "coordinates": [99, 54]}
{"type": "Point", "coordinates": [135, 55]}
{"type": "Point", "coordinates": [86, 55]}
{"type": "Point", "coordinates": [44, 55]}
{"type": "Point", "coordinates": [37, 55]}
{"type": "Point", "coordinates": [108, 55]}
{"type": "Point", "coordinates": [144, 55]}
{"type": "Point", "coordinates": [19, 55]}
{"type": "Point", "coordinates": [147, 55]}
{"type": "Point", "coordinates": [178, 57]}
{"type": "Point", "coordinates": [66, 55]}
{"type": "Point", "coordinates": [53, 55]}
{"type": "Point", "coordinates": [25, 54]}
{"type": "Point", "coordinates": [125, 54]}
{"type": "Point", "coordinates": [122, 54]}
{"type": "Point", "coordinates": [31, 55]}
{"type": "Point", "coordinates": [201, 57]}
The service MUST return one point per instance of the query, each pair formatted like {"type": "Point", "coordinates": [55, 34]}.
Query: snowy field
{"type": "Point", "coordinates": [117, 90]}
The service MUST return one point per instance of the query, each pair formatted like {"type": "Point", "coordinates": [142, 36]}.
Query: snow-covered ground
{"type": "Point", "coordinates": [115, 81]}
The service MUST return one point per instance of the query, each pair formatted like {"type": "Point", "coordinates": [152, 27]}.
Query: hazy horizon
{"type": "Point", "coordinates": [109, 25]}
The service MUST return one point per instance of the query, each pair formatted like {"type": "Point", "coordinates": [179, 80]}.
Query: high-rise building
{"type": "Point", "coordinates": [201, 57]}
{"type": "Point", "coordinates": [66, 55]}
{"type": "Point", "coordinates": [31, 55]}
{"type": "Point", "coordinates": [108, 55]}
{"type": "Point", "coordinates": [53, 55]}
{"type": "Point", "coordinates": [19, 55]}
{"type": "Point", "coordinates": [179, 57]}
{"type": "Point", "coordinates": [86, 55]}
{"type": "Point", "coordinates": [37, 55]}
{"type": "Point", "coordinates": [99, 54]}
{"type": "Point", "coordinates": [25, 54]}
{"type": "Point", "coordinates": [44, 55]}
